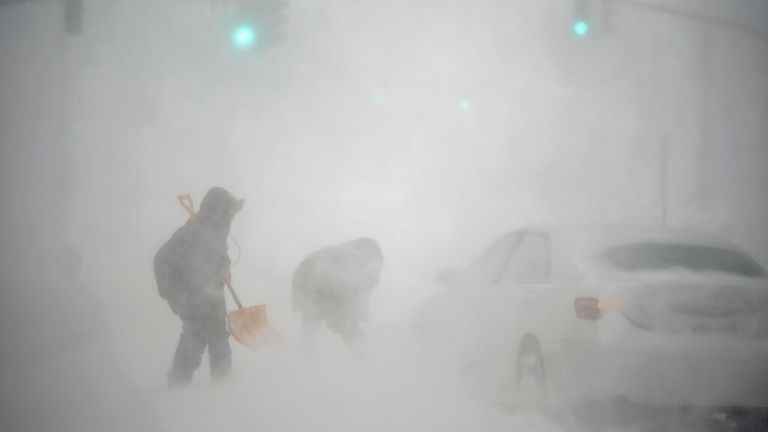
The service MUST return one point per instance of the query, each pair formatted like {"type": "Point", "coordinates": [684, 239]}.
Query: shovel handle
{"type": "Point", "coordinates": [186, 201]}
{"type": "Point", "coordinates": [234, 295]}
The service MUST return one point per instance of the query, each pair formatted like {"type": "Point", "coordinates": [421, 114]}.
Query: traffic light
{"type": "Point", "coordinates": [258, 24]}
{"type": "Point", "coordinates": [582, 23]}
{"type": "Point", "coordinates": [581, 27]}
{"type": "Point", "coordinates": [244, 36]}
{"type": "Point", "coordinates": [593, 17]}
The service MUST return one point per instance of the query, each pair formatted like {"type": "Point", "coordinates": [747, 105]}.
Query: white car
{"type": "Point", "coordinates": [655, 316]}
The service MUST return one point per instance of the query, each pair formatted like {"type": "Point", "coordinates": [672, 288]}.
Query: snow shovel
{"type": "Point", "coordinates": [250, 325]}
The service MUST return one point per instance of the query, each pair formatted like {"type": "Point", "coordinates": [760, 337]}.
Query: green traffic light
{"type": "Point", "coordinates": [244, 36]}
{"type": "Point", "coordinates": [581, 28]}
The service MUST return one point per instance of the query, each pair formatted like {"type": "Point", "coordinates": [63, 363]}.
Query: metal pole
{"type": "Point", "coordinates": [702, 150]}
{"type": "Point", "coordinates": [664, 183]}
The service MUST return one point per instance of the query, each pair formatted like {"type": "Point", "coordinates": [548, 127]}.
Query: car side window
{"type": "Point", "coordinates": [531, 260]}
{"type": "Point", "coordinates": [487, 269]}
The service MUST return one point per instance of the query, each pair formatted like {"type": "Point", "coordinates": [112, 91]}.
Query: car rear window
{"type": "Point", "coordinates": [660, 256]}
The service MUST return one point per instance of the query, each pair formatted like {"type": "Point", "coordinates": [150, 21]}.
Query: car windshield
{"type": "Point", "coordinates": [660, 256]}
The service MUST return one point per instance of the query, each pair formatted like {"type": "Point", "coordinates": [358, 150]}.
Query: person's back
{"type": "Point", "coordinates": [187, 265]}
{"type": "Point", "coordinates": [334, 284]}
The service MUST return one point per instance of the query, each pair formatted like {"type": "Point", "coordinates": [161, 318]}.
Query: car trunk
{"type": "Point", "coordinates": [705, 307]}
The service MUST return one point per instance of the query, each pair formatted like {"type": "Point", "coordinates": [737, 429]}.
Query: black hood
{"type": "Point", "coordinates": [218, 208]}
{"type": "Point", "coordinates": [369, 248]}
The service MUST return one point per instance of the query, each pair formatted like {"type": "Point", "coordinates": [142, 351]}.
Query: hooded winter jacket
{"type": "Point", "coordinates": [188, 266]}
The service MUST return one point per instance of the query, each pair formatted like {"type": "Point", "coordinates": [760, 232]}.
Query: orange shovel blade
{"type": "Point", "coordinates": [251, 328]}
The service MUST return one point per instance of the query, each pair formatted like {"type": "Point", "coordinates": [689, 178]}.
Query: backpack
{"type": "Point", "coordinates": [164, 273]}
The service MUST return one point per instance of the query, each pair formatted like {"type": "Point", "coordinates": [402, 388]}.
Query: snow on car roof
{"type": "Point", "coordinates": [601, 236]}
{"type": "Point", "coordinates": [582, 246]}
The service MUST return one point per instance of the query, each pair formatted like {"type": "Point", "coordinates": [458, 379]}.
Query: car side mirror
{"type": "Point", "coordinates": [448, 278]}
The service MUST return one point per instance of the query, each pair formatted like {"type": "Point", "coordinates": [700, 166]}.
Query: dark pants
{"type": "Point", "coordinates": [204, 326]}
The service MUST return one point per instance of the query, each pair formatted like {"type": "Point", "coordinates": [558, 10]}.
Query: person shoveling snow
{"type": "Point", "coordinates": [191, 269]}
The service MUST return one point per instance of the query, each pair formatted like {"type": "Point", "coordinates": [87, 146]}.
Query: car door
{"type": "Point", "coordinates": [526, 281]}
{"type": "Point", "coordinates": [483, 312]}
{"type": "Point", "coordinates": [546, 307]}
{"type": "Point", "coordinates": [508, 302]}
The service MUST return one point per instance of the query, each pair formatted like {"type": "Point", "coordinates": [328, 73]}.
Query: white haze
{"type": "Point", "coordinates": [351, 126]}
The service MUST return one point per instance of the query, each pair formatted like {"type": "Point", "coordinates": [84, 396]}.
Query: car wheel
{"type": "Point", "coordinates": [531, 376]}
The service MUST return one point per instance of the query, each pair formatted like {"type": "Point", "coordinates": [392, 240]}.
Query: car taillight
{"type": "Point", "coordinates": [588, 308]}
